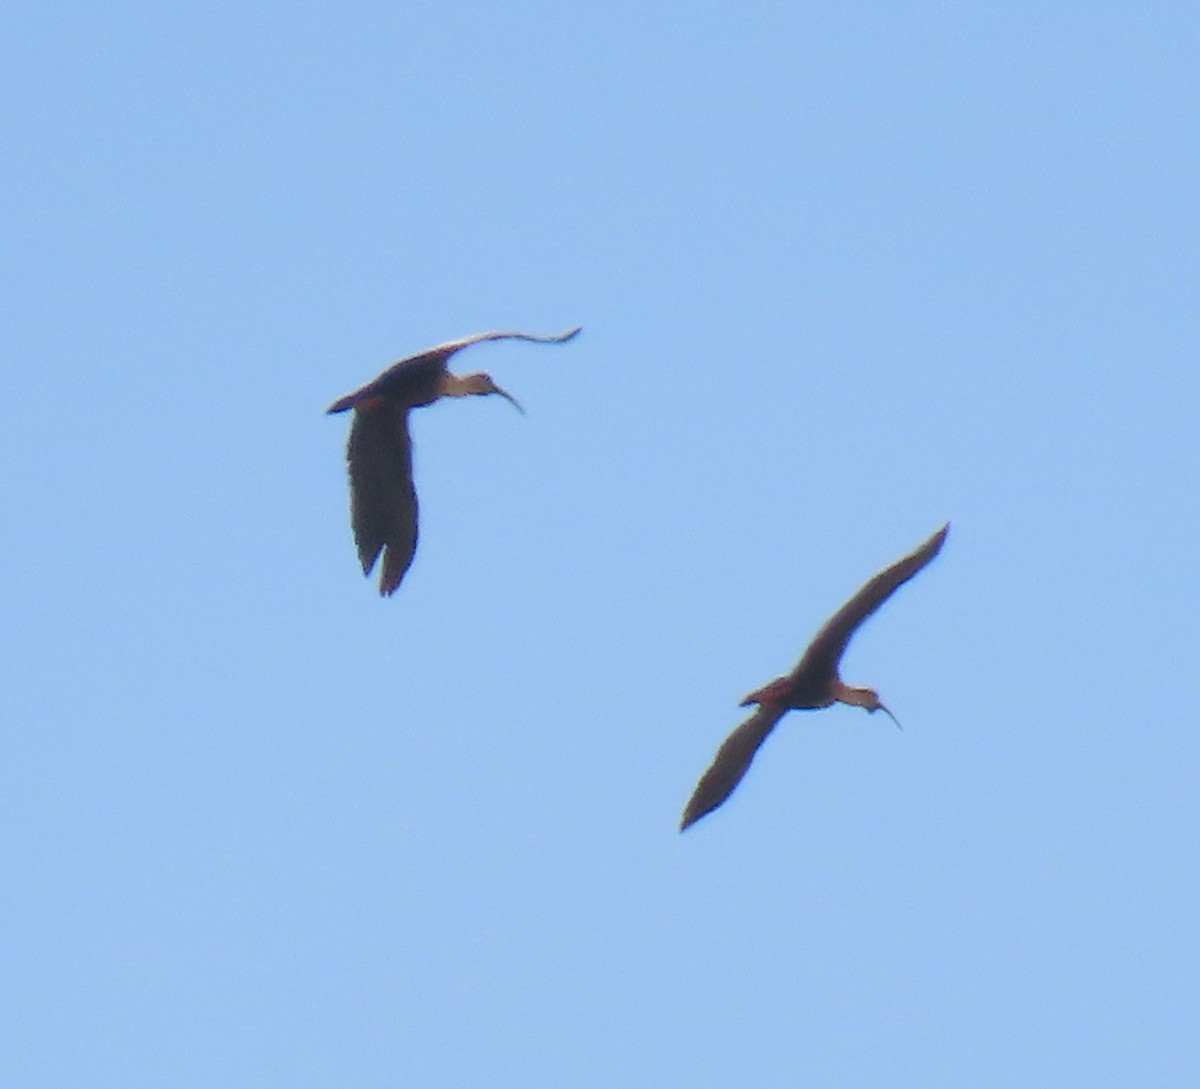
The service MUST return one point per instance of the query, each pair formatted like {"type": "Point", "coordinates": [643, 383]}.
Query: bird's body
{"type": "Point", "coordinates": [383, 500]}
{"type": "Point", "coordinates": [813, 684]}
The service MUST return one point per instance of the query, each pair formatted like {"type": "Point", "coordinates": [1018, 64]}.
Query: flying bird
{"type": "Point", "coordinates": [813, 684]}
{"type": "Point", "coordinates": [383, 501]}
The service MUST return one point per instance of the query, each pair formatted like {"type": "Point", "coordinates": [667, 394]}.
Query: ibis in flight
{"type": "Point", "coordinates": [383, 501]}
{"type": "Point", "coordinates": [813, 684]}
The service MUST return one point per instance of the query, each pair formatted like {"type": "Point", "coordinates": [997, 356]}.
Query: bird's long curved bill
{"type": "Point", "coordinates": [891, 716]}
{"type": "Point", "coordinates": [510, 399]}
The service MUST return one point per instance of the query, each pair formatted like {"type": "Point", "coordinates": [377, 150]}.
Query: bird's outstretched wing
{"type": "Point", "coordinates": [403, 379]}
{"type": "Point", "coordinates": [383, 501]}
{"type": "Point", "coordinates": [732, 761]}
{"type": "Point", "coordinates": [452, 346]}
{"type": "Point", "coordinates": [826, 649]}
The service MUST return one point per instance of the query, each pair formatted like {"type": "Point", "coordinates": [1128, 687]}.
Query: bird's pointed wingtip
{"type": "Point", "coordinates": [389, 581]}
{"type": "Point", "coordinates": [691, 814]}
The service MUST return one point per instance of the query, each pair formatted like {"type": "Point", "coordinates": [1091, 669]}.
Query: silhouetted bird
{"type": "Point", "coordinates": [383, 501]}
{"type": "Point", "coordinates": [813, 684]}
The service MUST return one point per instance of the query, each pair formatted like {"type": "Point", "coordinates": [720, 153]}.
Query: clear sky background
{"type": "Point", "coordinates": [845, 271]}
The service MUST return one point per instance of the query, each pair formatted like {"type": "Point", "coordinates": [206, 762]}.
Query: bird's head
{"type": "Point", "coordinates": [866, 698]}
{"type": "Point", "coordinates": [480, 385]}
{"type": "Point", "coordinates": [879, 706]}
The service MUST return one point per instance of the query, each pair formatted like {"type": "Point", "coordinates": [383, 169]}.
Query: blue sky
{"type": "Point", "coordinates": [845, 272]}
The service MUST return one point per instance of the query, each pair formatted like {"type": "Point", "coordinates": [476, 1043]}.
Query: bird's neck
{"type": "Point", "coordinates": [461, 385]}
{"type": "Point", "coordinates": [453, 385]}
{"type": "Point", "coordinates": [867, 698]}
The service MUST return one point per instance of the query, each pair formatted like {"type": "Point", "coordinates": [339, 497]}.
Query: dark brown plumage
{"type": "Point", "coordinates": [383, 501]}
{"type": "Point", "coordinates": [813, 684]}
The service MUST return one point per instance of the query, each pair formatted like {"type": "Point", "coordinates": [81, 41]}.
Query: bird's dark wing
{"type": "Point", "coordinates": [825, 651]}
{"type": "Point", "coordinates": [732, 761]}
{"type": "Point", "coordinates": [411, 382]}
{"type": "Point", "coordinates": [383, 502]}
{"type": "Point", "coordinates": [414, 380]}
{"type": "Point", "coordinates": [452, 346]}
